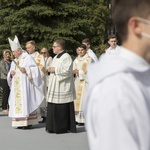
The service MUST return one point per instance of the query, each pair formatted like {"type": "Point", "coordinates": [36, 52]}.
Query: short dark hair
{"type": "Point", "coordinates": [112, 36]}
{"type": "Point", "coordinates": [123, 10]}
{"type": "Point", "coordinates": [87, 41]}
{"type": "Point", "coordinates": [60, 42]}
{"type": "Point", "coordinates": [82, 46]}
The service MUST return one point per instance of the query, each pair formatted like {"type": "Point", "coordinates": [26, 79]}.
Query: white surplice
{"type": "Point", "coordinates": [61, 85]}
{"type": "Point", "coordinates": [48, 62]}
{"type": "Point", "coordinates": [117, 106]}
{"type": "Point", "coordinates": [40, 61]}
{"type": "Point", "coordinates": [24, 97]}
{"type": "Point", "coordinates": [113, 51]}
{"type": "Point", "coordinates": [92, 55]}
{"type": "Point", "coordinates": [81, 83]}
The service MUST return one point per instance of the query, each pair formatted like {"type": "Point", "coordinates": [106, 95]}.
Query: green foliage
{"type": "Point", "coordinates": [46, 20]}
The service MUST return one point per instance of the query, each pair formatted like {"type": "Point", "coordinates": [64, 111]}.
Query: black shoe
{"type": "Point", "coordinates": [49, 131]}
{"type": "Point", "coordinates": [80, 124]}
{"type": "Point", "coordinates": [19, 127]}
{"type": "Point", "coordinates": [43, 121]}
{"type": "Point", "coordinates": [76, 123]}
{"type": "Point", "coordinates": [27, 127]}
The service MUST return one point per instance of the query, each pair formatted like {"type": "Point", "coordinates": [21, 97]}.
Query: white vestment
{"type": "Point", "coordinates": [48, 62]}
{"type": "Point", "coordinates": [24, 97]}
{"type": "Point", "coordinates": [61, 85]}
{"type": "Point", "coordinates": [40, 61]}
{"type": "Point", "coordinates": [117, 107]}
{"type": "Point", "coordinates": [81, 83]}
{"type": "Point", "coordinates": [113, 51]}
{"type": "Point", "coordinates": [92, 55]}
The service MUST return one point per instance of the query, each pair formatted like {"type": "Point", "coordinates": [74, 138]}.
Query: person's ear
{"type": "Point", "coordinates": [134, 25]}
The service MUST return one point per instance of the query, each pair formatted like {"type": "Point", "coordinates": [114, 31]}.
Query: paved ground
{"type": "Point", "coordinates": [38, 139]}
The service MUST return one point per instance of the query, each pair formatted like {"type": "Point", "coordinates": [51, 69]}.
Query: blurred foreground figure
{"type": "Point", "coordinates": [26, 88]}
{"type": "Point", "coordinates": [118, 107]}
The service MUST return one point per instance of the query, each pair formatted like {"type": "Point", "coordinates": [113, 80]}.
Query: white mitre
{"type": "Point", "coordinates": [14, 45]}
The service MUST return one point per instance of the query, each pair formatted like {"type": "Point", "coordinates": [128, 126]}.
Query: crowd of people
{"type": "Point", "coordinates": [110, 95]}
{"type": "Point", "coordinates": [42, 89]}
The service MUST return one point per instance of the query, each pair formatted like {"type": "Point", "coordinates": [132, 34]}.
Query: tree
{"type": "Point", "coordinates": [46, 20]}
{"type": "Point", "coordinates": [99, 21]}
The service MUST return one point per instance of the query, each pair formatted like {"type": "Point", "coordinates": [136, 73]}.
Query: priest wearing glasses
{"type": "Point", "coordinates": [61, 92]}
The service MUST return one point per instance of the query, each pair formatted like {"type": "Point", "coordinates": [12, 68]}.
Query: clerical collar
{"type": "Point", "coordinates": [60, 54]}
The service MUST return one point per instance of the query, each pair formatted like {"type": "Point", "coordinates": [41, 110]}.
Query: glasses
{"type": "Point", "coordinates": [143, 20]}
{"type": "Point", "coordinates": [42, 52]}
{"type": "Point", "coordinates": [54, 46]}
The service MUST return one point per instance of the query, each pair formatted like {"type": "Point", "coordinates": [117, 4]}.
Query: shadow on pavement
{"type": "Point", "coordinates": [1, 114]}
{"type": "Point", "coordinates": [81, 129]}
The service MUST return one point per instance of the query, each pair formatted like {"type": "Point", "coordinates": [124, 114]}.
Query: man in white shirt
{"type": "Point", "coordinates": [89, 51]}
{"type": "Point", "coordinates": [117, 107]}
{"type": "Point", "coordinates": [114, 48]}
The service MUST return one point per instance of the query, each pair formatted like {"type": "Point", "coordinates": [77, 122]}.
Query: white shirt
{"type": "Point", "coordinates": [61, 83]}
{"type": "Point", "coordinates": [48, 62]}
{"type": "Point", "coordinates": [117, 108]}
{"type": "Point", "coordinates": [39, 59]}
{"type": "Point", "coordinates": [113, 51]}
{"type": "Point", "coordinates": [92, 55]}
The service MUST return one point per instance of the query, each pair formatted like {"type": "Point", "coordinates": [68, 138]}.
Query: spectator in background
{"type": "Point", "coordinates": [89, 50]}
{"type": "Point", "coordinates": [113, 49]}
{"type": "Point", "coordinates": [4, 69]}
